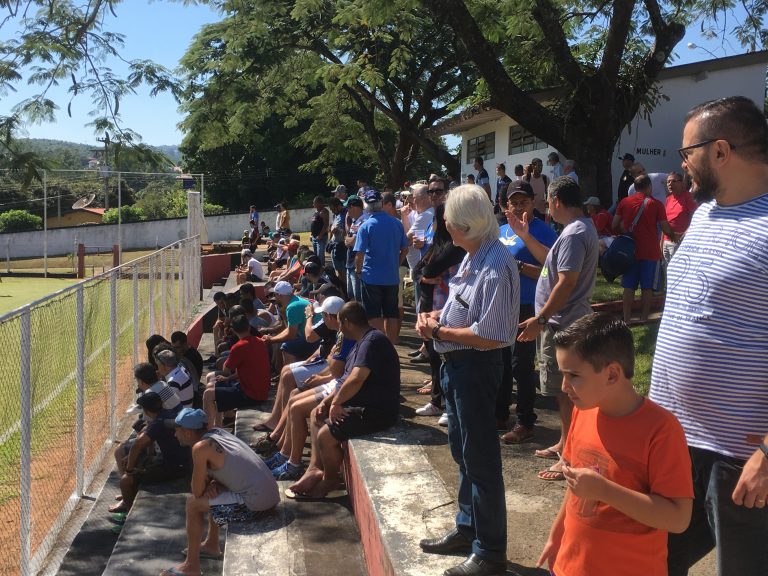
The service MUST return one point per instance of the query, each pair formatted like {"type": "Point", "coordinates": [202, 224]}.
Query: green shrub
{"type": "Point", "coordinates": [19, 221]}
{"type": "Point", "coordinates": [127, 213]}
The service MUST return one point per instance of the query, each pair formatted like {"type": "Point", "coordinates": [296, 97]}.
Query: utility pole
{"type": "Point", "coordinates": [104, 170]}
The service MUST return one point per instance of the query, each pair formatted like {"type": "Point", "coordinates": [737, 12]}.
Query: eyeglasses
{"type": "Point", "coordinates": [686, 150]}
{"type": "Point", "coordinates": [436, 190]}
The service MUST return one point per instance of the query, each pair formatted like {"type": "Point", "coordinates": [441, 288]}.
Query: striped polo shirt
{"type": "Point", "coordinates": [710, 368]}
{"type": "Point", "coordinates": [484, 295]}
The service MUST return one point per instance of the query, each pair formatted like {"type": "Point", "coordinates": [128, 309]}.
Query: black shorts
{"type": "Point", "coordinates": [360, 421]}
{"type": "Point", "coordinates": [380, 301]}
{"type": "Point", "coordinates": [157, 473]}
{"type": "Point", "coordinates": [229, 396]}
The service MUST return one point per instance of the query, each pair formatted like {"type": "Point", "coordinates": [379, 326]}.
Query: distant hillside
{"type": "Point", "coordinates": [74, 156]}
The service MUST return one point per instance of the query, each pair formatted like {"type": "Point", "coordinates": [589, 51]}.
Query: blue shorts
{"type": "Point", "coordinates": [645, 273]}
{"type": "Point", "coordinates": [299, 348]}
{"type": "Point", "coordinates": [229, 396]}
{"type": "Point", "coordinates": [380, 301]}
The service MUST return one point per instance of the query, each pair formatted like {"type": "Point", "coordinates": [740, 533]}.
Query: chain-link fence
{"type": "Point", "coordinates": [66, 380]}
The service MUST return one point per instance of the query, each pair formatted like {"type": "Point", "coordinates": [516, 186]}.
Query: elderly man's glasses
{"type": "Point", "coordinates": [685, 151]}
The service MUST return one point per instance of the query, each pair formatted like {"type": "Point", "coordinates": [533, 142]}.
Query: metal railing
{"type": "Point", "coordinates": [66, 379]}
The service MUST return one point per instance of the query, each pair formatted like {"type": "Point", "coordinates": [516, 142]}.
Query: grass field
{"type": "Point", "coordinates": [94, 263]}
{"type": "Point", "coordinates": [16, 292]}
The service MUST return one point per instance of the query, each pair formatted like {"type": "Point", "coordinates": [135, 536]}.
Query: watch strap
{"type": "Point", "coordinates": [436, 331]}
{"type": "Point", "coordinates": [764, 449]}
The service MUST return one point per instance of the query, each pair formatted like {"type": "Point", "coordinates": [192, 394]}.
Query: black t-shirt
{"type": "Point", "coordinates": [625, 182]}
{"type": "Point", "coordinates": [381, 390]}
{"type": "Point", "coordinates": [174, 454]}
{"type": "Point", "coordinates": [316, 225]}
{"type": "Point", "coordinates": [197, 360]}
{"type": "Point", "coordinates": [327, 337]}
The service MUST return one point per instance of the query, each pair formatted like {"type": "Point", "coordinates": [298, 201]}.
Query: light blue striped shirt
{"type": "Point", "coordinates": [710, 368]}
{"type": "Point", "coordinates": [484, 295]}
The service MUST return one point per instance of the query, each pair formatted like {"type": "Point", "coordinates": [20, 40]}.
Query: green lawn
{"type": "Point", "coordinates": [645, 346]}
{"type": "Point", "coordinates": [605, 292]}
{"type": "Point", "coordinates": [16, 292]}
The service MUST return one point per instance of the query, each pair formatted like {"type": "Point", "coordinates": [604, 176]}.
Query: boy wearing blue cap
{"type": "Point", "coordinates": [229, 482]}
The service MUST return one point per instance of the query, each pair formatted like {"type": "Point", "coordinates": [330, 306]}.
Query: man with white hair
{"type": "Point", "coordinates": [174, 374]}
{"type": "Point", "coordinates": [469, 334]}
{"type": "Point", "coordinates": [421, 220]}
{"type": "Point", "coordinates": [570, 170]}
{"type": "Point", "coordinates": [658, 182]}
{"type": "Point", "coordinates": [380, 246]}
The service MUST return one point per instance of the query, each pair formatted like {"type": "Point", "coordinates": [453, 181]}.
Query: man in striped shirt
{"type": "Point", "coordinates": [711, 360]}
{"type": "Point", "coordinates": [477, 321]}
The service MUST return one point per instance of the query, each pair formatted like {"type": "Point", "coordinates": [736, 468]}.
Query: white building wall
{"type": "Point", "coordinates": [654, 145]}
{"type": "Point", "coordinates": [137, 235]}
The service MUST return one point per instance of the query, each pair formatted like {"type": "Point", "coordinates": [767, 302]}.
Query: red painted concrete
{"type": "Point", "coordinates": [376, 557]}
{"type": "Point", "coordinates": [215, 267]}
{"type": "Point", "coordinates": [195, 330]}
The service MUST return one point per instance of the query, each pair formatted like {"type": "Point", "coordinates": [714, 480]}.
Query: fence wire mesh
{"type": "Point", "coordinates": [67, 380]}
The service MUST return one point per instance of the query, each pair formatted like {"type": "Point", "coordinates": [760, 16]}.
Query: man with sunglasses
{"type": "Point", "coordinates": [679, 208]}
{"type": "Point", "coordinates": [711, 358]}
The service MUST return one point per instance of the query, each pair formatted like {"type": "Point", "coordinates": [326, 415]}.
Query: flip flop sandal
{"type": "Point", "coordinates": [333, 494]}
{"type": "Point", "coordinates": [173, 572]}
{"type": "Point", "coordinates": [550, 475]}
{"type": "Point", "coordinates": [547, 454]}
{"type": "Point", "coordinates": [426, 389]}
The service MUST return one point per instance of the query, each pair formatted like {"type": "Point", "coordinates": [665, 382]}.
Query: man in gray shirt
{"type": "Point", "coordinates": [562, 295]}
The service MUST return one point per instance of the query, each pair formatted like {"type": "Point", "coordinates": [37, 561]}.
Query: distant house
{"type": "Point", "coordinates": [497, 138]}
{"type": "Point", "coordinates": [76, 217]}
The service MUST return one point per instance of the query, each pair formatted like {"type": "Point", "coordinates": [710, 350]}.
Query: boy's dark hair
{"type": "Point", "coordinates": [600, 339]}
{"type": "Point", "coordinates": [249, 289]}
{"type": "Point", "coordinates": [566, 190]}
{"type": "Point", "coordinates": [236, 310]}
{"type": "Point", "coordinates": [150, 402]}
{"type": "Point", "coordinates": [145, 372]}
{"type": "Point", "coordinates": [219, 296]}
{"type": "Point", "coordinates": [247, 305]}
{"type": "Point", "coordinates": [479, 160]}
{"type": "Point", "coordinates": [354, 313]}
{"type": "Point", "coordinates": [240, 324]}
{"type": "Point", "coordinates": [179, 337]}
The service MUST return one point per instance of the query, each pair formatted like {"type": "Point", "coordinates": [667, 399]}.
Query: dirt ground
{"type": "Point", "coordinates": [531, 503]}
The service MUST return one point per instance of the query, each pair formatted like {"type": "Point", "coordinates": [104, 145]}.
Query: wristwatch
{"type": "Point", "coordinates": [764, 449]}
{"type": "Point", "coordinates": [436, 331]}
{"type": "Point", "coordinates": [542, 320]}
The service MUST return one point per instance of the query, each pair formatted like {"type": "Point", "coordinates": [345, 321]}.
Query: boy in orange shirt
{"type": "Point", "coordinates": [628, 472]}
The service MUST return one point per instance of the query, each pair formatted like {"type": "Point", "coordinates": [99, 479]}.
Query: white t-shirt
{"type": "Point", "coordinates": [419, 225]}
{"type": "Point", "coordinates": [255, 268]}
{"type": "Point", "coordinates": [658, 186]}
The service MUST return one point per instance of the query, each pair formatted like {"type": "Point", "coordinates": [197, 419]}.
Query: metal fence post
{"type": "Point", "coordinates": [151, 270]}
{"type": "Point", "coordinates": [136, 305]}
{"type": "Point", "coordinates": [163, 293]}
{"type": "Point", "coordinates": [113, 278]}
{"type": "Point", "coordinates": [26, 444]}
{"type": "Point", "coordinates": [45, 224]}
{"type": "Point", "coordinates": [80, 402]}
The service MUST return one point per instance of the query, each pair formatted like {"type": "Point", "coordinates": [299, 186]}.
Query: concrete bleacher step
{"type": "Point", "coordinates": [300, 538]}
{"type": "Point", "coordinates": [154, 534]}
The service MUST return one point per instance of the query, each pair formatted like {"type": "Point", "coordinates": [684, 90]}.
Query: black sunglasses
{"type": "Point", "coordinates": [436, 190]}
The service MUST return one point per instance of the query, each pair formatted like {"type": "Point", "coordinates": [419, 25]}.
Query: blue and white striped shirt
{"type": "Point", "coordinates": [484, 295]}
{"type": "Point", "coordinates": [711, 363]}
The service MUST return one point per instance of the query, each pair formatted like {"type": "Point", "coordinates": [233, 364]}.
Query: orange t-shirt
{"type": "Point", "coordinates": [645, 451]}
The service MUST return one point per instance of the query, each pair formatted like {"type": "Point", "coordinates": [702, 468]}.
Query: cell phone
{"type": "Point", "coordinates": [461, 301]}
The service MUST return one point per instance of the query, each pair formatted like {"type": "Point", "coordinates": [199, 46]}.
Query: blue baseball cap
{"type": "Point", "coordinates": [372, 196]}
{"type": "Point", "coordinates": [191, 418]}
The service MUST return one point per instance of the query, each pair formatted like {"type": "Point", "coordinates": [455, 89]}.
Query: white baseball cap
{"type": "Point", "coordinates": [330, 305]}
{"type": "Point", "coordinates": [283, 288]}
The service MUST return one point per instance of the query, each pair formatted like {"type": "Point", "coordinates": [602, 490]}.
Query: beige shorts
{"type": "Point", "coordinates": [550, 377]}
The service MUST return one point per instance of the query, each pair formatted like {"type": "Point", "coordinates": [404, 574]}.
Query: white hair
{"type": "Point", "coordinates": [468, 207]}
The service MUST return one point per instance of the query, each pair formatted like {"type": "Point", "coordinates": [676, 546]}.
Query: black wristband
{"type": "Point", "coordinates": [520, 265]}
{"type": "Point", "coordinates": [764, 449]}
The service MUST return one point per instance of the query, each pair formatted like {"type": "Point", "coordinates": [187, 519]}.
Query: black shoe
{"type": "Point", "coordinates": [415, 353]}
{"type": "Point", "coordinates": [476, 566]}
{"type": "Point", "coordinates": [452, 542]}
{"type": "Point", "coordinates": [420, 359]}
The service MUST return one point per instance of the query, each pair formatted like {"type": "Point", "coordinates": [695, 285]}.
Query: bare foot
{"type": "Point", "coordinates": [119, 507]}
{"type": "Point", "coordinates": [304, 484]}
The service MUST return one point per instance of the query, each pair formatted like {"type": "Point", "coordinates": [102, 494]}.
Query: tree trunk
{"type": "Point", "coordinates": [405, 152]}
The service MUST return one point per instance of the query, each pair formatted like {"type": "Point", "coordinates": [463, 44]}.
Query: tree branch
{"type": "Point", "coordinates": [548, 17]}
{"type": "Point", "coordinates": [618, 31]}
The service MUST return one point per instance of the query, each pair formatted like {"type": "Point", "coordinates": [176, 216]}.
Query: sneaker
{"type": "Point", "coordinates": [288, 471]}
{"type": "Point", "coordinates": [429, 409]}
{"type": "Point", "coordinates": [443, 420]}
{"type": "Point", "coordinates": [264, 445]}
{"type": "Point", "coordinates": [211, 359]}
{"type": "Point", "coordinates": [420, 359]}
{"type": "Point", "coordinates": [415, 353]}
{"type": "Point", "coordinates": [518, 435]}
{"type": "Point", "coordinates": [276, 460]}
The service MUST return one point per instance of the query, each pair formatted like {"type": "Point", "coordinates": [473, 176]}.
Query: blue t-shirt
{"type": "Point", "coordinates": [380, 238]}
{"type": "Point", "coordinates": [541, 232]}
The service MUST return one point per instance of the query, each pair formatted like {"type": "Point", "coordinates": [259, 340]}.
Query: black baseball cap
{"type": "Point", "coordinates": [327, 290]}
{"type": "Point", "coordinates": [627, 156]}
{"type": "Point", "coordinates": [519, 187]}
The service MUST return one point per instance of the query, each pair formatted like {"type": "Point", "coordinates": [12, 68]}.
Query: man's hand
{"type": "Point", "coordinates": [349, 241]}
{"type": "Point", "coordinates": [425, 324]}
{"type": "Point", "coordinates": [528, 330]}
{"type": "Point", "coordinates": [752, 487]}
{"type": "Point", "coordinates": [267, 339]}
{"type": "Point", "coordinates": [337, 413]}
{"type": "Point", "coordinates": [434, 281]}
{"type": "Point", "coordinates": [549, 554]}
{"type": "Point", "coordinates": [519, 227]}
{"type": "Point", "coordinates": [584, 482]}
{"type": "Point", "coordinates": [212, 490]}
{"type": "Point", "coordinates": [319, 413]}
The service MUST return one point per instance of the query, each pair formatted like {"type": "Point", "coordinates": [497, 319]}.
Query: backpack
{"type": "Point", "coordinates": [620, 255]}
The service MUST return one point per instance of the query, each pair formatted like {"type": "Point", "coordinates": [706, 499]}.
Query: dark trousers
{"type": "Point", "coordinates": [470, 381]}
{"type": "Point", "coordinates": [520, 365]}
{"type": "Point", "coordinates": [434, 365]}
{"type": "Point", "coordinates": [738, 532]}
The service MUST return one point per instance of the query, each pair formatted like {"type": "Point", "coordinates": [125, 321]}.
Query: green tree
{"type": "Point", "coordinates": [127, 214]}
{"type": "Point", "coordinates": [19, 221]}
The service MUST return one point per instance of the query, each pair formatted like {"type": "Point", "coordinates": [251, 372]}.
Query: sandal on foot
{"type": "Point", "coordinates": [550, 475]}
{"type": "Point", "coordinates": [548, 453]}
{"type": "Point", "coordinates": [426, 389]}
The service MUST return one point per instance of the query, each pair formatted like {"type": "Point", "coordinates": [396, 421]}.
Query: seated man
{"type": "Point", "coordinates": [367, 401]}
{"type": "Point", "coordinates": [245, 378]}
{"type": "Point", "coordinates": [312, 279]}
{"type": "Point", "coordinates": [185, 350]}
{"type": "Point", "coordinates": [147, 381]}
{"type": "Point", "coordinates": [220, 299]}
{"type": "Point", "coordinates": [248, 291]}
{"type": "Point", "coordinates": [242, 270]}
{"type": "Point", "coordinates": [229, 482]}
{"type": "Point", "coordinates": [175, 461]}
{"type": "Point", "coordinates": [255, 271]}
{"type": "Point", "coordinates": [292, 341]}
{"type": "Point", "coordinates": [175, 375]}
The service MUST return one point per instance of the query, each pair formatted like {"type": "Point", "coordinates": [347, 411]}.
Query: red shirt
{"type": "Point", "coordinates": [679, 211]}
{"type": "Point", "coordinates": [602, 221]}
{"type": "Point", "coordinates": [646, 231]}
{"type": "Point", "coordinates": [250, 358]}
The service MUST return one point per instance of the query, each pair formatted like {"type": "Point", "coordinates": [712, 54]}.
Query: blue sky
{"type": "Point", "coordinates": [161, 31]}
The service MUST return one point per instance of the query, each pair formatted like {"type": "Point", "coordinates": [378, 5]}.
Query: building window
{"type": "Point", "coordinates": [520, 140]}
{"type": "Point", "coordinates": [483, 146]}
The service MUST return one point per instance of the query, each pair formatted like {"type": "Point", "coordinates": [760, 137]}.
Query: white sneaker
{"type": "Point", "coordinates": [443, 420]}
{"type": "Point", "coordinates": [429, 409]}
